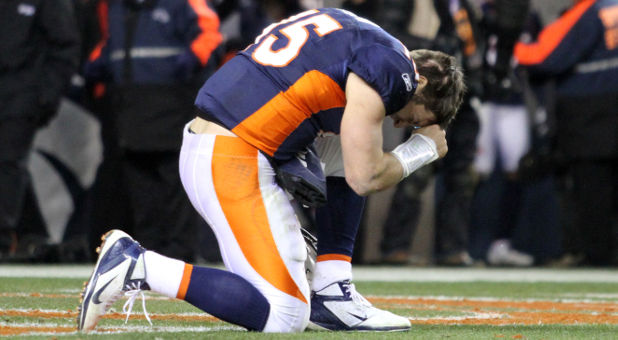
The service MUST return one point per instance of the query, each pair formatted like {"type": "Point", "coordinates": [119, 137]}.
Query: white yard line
{"type": "Point", "coordinates": [474, 315]}
{"type": "Point", "coordinates": [380, 273]}
{"type": "Point", "coordinates": [107, 330]}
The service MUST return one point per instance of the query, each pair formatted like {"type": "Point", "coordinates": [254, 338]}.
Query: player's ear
{"type": "Point", "coordinates": [422, 82]}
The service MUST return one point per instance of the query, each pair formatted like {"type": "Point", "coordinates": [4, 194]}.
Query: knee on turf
{"type": "Point", "coordinates": [288, 317]}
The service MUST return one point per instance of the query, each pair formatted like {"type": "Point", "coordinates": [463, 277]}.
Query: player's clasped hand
{"type": "Point", "coordinates": [438, 135]}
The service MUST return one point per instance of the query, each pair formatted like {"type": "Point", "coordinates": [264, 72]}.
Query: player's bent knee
{"type": "Point", "coordinates": [288, 318]}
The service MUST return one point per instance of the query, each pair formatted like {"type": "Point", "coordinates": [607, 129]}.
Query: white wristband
{"type": "Point", "coordinates": [417, 151]}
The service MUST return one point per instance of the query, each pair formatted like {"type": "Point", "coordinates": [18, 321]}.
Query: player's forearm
{"type": "Point", "coordinates": [381, 174]}
{"type": "Point", "coordinates": [390, 168]}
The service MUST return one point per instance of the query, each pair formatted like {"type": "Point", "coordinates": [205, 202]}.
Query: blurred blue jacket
{"type": "Point", "coordinates": [170, 40]}
{"type": "Point", "coordinates": [579, 50]}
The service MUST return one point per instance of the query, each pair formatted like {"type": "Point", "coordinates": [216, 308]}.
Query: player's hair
{"type": "Point", "coordinates": [445, 87]}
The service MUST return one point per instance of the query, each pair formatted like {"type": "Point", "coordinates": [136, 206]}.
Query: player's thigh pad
{"type": "Point", "coordinates": [329, 151]}
{"type": "Point", "coordinates": [233, 187]}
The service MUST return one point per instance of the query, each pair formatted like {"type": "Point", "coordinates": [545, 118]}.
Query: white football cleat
{"type": "Point", "coordinates": [501, 253]}
{"type": "Point", "coordinates": [119, 269]}
{"type": "Point", "coordinates": [339, 307]}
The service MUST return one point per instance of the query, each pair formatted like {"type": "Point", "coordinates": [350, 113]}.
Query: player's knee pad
{"type": "Point", "coordinates": [296, 247]}
{"type": "Point", "coordinates": [290, 313]}
{"type": "Point", "coordinates": [287, 316]}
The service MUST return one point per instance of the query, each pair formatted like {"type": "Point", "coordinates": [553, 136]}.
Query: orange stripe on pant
{"type": "Point", "coordinates": [236, 184]}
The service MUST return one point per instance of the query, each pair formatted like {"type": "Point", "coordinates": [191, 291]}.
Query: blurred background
{"type": "Point", "coordinates": [530, 178]}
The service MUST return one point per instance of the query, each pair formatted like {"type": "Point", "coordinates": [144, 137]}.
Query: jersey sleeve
{"type": "Point", "coordinates": [388, 72]}
{"type": "Point", "coordinates": [202, 25]}
{"type": "Point", "coordinates": [563, 43]}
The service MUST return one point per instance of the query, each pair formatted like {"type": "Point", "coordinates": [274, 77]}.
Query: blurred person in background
{"type": "Point", "coordinates": [504, 135]}
{"type": "Point", "coordinates": [515, 213]}
{"type": "Point", "coordinates": [152, 57]}
{"type": "Point", "coordinates": [39, 52]}
{"type": "Point", "coordinates": [456, 33]}
{"type": "Point", "coordinates": [580, 52]}
{"type": "Point", "coordinates": [251, 17]}
{"type": "Point", "coordinates": [108, 203]}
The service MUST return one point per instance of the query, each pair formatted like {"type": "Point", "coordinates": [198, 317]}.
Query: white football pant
{"type": "Point", "coordinates": [232, 186]}
{"type": "Point", "coordinates": [504, 131]}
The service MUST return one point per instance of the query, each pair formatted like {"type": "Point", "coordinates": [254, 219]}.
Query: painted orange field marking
{"type": "Point", "coordinates": [469, 311]}
{"type": "Point", "coordinates": [501, 304]}
{"type": "Point", "coordinates": [508, 312]}
{"type": "Point", "coordinates": [15, 330]}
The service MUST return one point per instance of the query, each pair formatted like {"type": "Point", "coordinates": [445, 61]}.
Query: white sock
{"type": "Point", "coordinates": [327, 272]}
{"type": "Point", "coordinates": [163, 274]}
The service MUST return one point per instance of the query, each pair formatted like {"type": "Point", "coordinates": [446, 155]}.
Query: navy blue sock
{"type": "Point", "coordinates": [228, 297]}
{"type": "Point", "coordinates": [338, 221]}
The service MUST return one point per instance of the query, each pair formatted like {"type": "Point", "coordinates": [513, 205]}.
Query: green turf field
{"type": "Point", "coordinates": [39, 302]}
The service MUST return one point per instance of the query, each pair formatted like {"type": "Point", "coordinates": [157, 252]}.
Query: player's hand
{"type": "Point", "coordinates": [438, 135]}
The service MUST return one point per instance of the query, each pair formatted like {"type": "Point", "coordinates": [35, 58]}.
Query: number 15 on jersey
{"type": "Point", "coordinates": [296, 34]}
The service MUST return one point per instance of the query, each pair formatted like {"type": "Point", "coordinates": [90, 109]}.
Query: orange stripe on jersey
{"type": "Point", "coordinates": [334, 257]}
{"type": "Point", "coordinates": [99, 90]}
{"type": "Point", "coordinates": [102, 16]}
{"type": "Point", "coordinates": [184, 283]}
{"type": "Point", "coordinates": [96, 52]}
{"type": "Point", "coordinates": [209, 38]}
{"type": "Point", "coordinates": [235, 178]}
{"type": "Point", "coordinates": [551, 36]}
{"type": "Point", "coordinates": [269, 126]}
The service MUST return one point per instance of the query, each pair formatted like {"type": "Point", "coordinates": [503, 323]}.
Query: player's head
{"type": "Point", "coordinates": [444, 89]}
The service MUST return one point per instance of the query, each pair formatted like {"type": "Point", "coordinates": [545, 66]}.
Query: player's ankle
{"type": "Point", "coordinates": [328, 272]}
{"type": "Point", "coordinates": [163, 274]}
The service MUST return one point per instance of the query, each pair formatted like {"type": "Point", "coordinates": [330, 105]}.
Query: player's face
{"type": "Point", "coordinates": [413, 114]}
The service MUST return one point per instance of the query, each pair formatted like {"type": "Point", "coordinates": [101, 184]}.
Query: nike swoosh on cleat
{"type": "Point", "coordinates": [361, 318]}
{"type": "Point", "coordinates": [95, 297]}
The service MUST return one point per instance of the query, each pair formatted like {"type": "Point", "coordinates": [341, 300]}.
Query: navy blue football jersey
{"type": "Point", "coordinates": [289, 86]}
